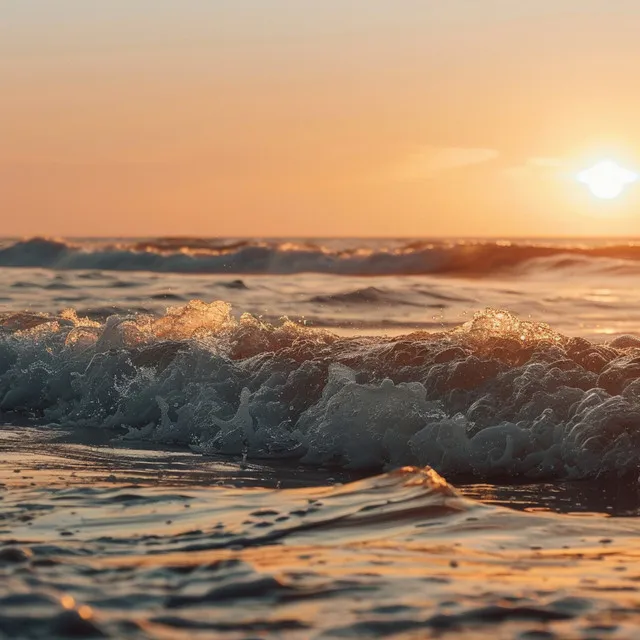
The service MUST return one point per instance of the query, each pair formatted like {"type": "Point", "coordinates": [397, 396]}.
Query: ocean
{"type": "Point", "coordinates": [291, 438]}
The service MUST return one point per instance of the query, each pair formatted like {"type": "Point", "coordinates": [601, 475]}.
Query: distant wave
{"type": "Point", "coordinates": [464, 258]}
{"type": "Point", "coordinates": [497, 396]}
{"type": "Point", "coordinates": [366, 296]}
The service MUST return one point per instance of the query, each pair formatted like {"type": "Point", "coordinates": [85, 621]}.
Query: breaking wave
{"type": "Point", "coordinates": [497, 396]}
{"type": "Point", "coordinates": [183, 255]}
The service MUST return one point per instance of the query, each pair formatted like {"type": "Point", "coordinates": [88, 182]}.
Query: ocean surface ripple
{"type": "Point", "coordinates": [402, 554]}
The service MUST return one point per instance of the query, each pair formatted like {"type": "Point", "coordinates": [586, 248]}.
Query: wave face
{"type": "Point", "coordinates": [497, 396]}
{"type": "Point", "coordinates": [339, 257]}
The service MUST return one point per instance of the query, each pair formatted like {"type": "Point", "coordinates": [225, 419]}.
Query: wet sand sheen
{"type": "Point", "coordinates": [152, 547]}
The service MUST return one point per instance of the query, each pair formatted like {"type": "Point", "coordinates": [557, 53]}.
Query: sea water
{"type": "Point", "coordinates": [340, 438]}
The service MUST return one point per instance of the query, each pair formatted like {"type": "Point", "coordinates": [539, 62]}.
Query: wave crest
{"type": "Point", "coordinates": [497, 396]}
{"type": "Point", "coordinates": [471, 258]}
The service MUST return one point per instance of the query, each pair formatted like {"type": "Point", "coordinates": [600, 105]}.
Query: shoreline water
{"type": "Point", "coordinates": [86, 456]}
{"type": "Point", "coordinates": [154, 547]}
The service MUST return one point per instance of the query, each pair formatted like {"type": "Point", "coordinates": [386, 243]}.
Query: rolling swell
{"type": "Point", "coordinates": [463, 258]}
{"type": "Point", "coordinates": [496, 396]}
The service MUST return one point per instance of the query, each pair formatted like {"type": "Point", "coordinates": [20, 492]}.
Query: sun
{"type": "Point", "coordinates": [607, 179]}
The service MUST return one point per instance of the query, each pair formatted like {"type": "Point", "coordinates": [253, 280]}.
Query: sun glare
{"type": "Point", "coordinates": [607, 179]}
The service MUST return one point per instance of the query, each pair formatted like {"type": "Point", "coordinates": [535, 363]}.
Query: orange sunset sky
{"type": "Point", "coordinates": [316, 118]}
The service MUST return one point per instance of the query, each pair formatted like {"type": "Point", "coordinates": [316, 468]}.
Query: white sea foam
{"type": "Point", "coordinates": [495, 397]}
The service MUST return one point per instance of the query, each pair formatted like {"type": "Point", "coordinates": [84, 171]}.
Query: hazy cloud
{"type": "Point", "coordinates": [536, 166]}
{"type": "Point", "coordinates": [430, 161]}
{"type": "Point", "coordinates": [545, 162]}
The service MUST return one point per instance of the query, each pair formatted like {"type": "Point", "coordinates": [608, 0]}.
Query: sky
{"type": "Point", "coordinates": [316, 117]}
